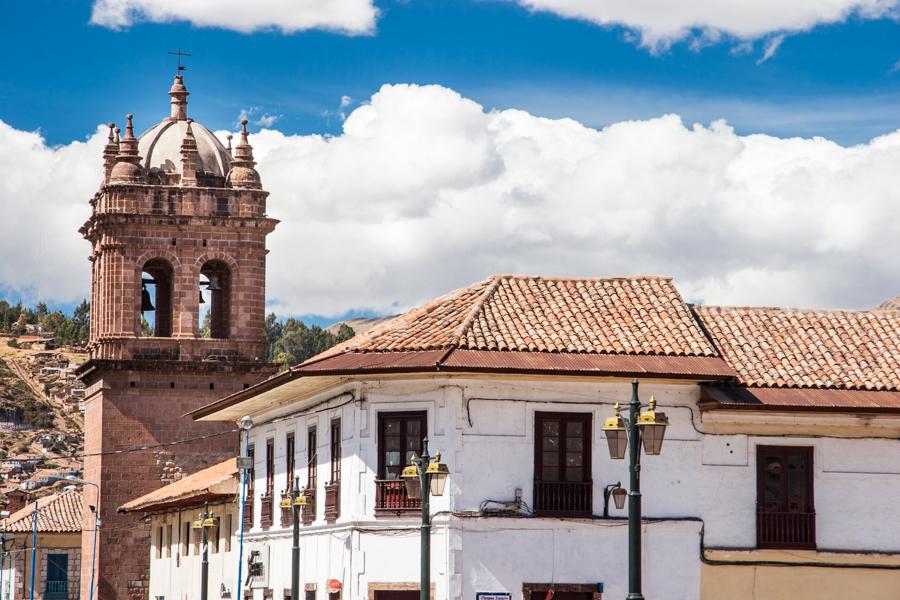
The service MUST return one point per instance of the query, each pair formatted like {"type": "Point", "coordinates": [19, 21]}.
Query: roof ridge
{"type": "Point", "coordinates": [791, 309]}
{"type": "Point", "coordinates": [521, 276]}
{"type": "Point", "coordinates": [476, 308]}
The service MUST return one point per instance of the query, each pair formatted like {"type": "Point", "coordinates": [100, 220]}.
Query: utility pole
{"type": "Point", "coordinates": [33, 547]}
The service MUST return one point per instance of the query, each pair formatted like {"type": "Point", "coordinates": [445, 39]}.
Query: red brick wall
{"type": "Point", "coordinates": [138, 389]}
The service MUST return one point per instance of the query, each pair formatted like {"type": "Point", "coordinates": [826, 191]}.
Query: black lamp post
{"type": "Point", "coordinates": [647, 429]}
{"type": "Point", "coordinates": [295, 500]}
{"type": "Point", "coordinates": [204, 523]}
{"type": "Point", "coordinates": [425, 476]}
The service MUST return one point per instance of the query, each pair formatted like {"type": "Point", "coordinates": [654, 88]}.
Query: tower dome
{"type": "Point", "coordinates": [160, 146]}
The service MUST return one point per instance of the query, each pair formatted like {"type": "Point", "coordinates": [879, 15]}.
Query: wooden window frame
{"type": "Point", "coordinates": [267, 500]}
{"type": "Point", "coordinates": [807, 540]}
{"type": "Point", "coordinates": [586, 419]}
{"type": "Point", "coordinates": [308, 512]}
{"type": "Point", "coordinates": [390, 494]}
{"type": "Point", "coordinates": [530, 588]}
{"type": "Point", "coordinates": [290, 448]}
{"type": "Point", "coordinates": [333, 487]}
{"type": "Point", "coordinates": [250, 498]}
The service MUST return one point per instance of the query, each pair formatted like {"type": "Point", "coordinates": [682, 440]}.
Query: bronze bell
{"type": "Point", "coordinates": [146, 304]}
{"type": "Point", "coordinates": [202, 301]}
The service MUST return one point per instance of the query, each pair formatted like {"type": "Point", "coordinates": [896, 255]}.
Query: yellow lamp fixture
{"type": "Point", "coordinates": [285, 500]}
{"type": "Point", "coordinates": [653, 428]}
{"type": "Point", "coordinates": [616, 436]}
{"type": "Point", "coordinates": [198, 524]}
{"type": "Point", "coordinates": [410, 477]}
{"type": "Point", "coordinates": [302, 499]}
{"type": "Point", "coordinates": [437, 474]}
{"type": "Point", "coordinates": [210, 521]}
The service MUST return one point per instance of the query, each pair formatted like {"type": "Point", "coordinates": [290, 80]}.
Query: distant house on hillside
{"type": "Point", "coordinates": [58, 559]}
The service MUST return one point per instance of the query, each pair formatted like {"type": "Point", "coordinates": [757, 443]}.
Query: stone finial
{"type": "Point", "coordinates": [118, 131]}
{"type": "Point", "coordinates": [243, 152]}
{"type": "Point", "coordinates": [110, 151]}
{"type": "Point", "coordinates": [179, 96]}
{"type": "Point", "coordinates": [242, 173]}
{"type": "Point", "coordinates": [128, 163]}
{"type": "Point", "coordinates": [189, 156]}
{"type": "Point", "coordinates": [230, 153]}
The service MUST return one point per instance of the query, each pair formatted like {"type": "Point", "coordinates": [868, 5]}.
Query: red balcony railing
{"type": "Point", "coordinates": [786, 529]}
{"type": "Point", "coordinates": [332, 501]}
{"type": "Point", "coordinates": [563, 498]}
{"type": "Point", "coordinates": [391, 499]}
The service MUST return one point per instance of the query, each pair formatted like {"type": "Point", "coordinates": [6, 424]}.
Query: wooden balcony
{"type": "Point", "coordinates": [391, 499]}
{"type": "Point", "coordinates": [332, 501]}
{"type": "Point", "coordinates": [287, 515]}
{"type": "Point", "coordinates": [786, 530]}
{"type": "Point", "coordinates": [308, 512]}
{"type": "Point", "coordinates": [248, 512]}
{"type": "Point", "coordinates": [265, 514]}
{"type": "Point", "coordinates": [563, 498]}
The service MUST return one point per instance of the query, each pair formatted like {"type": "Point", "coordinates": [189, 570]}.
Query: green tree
{"type": "Point", "coordinates": [293, 342]}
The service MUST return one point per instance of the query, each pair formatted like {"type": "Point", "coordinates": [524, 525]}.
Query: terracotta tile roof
{"type": "Point", "coordinates": [59, 513]}
{"type": "Point", "coordinates": [621, 315]}
{"type": "Point", "coordinates": [826, 349]}
{"type": "Point", "coordinates": [211, 483]}
{"type": "Point", "coordinates": [890, 304]}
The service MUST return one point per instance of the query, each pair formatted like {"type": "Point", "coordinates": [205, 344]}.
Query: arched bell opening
{"type": "Point", "coordinates": [156, 299]}
{"type": "Point", "coordinates": [215, 300]}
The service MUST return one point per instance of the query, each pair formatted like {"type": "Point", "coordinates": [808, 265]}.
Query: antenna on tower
{"type": "Point", "coordinates": [179, 54]}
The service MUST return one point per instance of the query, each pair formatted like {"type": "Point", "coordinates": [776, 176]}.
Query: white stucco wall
{"type": "Point", "coordinates": [485, 429]}
{"type": "Point", "coordinates": [176, 576]}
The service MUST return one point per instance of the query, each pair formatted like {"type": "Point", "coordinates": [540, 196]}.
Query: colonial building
{"type": "Point", "coordinates": [777, 478]}
{"type": "Point", "coordinates": [57, 559]}
{"type": "Point", "coordinates": [178, 259]}
{"type": "Point", "coordinates": [176, 544]}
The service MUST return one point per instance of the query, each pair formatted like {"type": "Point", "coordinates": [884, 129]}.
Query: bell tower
{"type": "Point", "coordinates": [178, 262]}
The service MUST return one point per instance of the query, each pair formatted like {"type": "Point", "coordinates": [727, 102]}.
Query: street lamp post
{"type": "Point", "coordinates": [244, 467]}
{"type": "Point", "coordinates": [645, 429]}
{"type": "Point", "coordinates": [204, 523]}
{"type": "Point", "coordinates": [295, 499]}
{"type": "Point", "coordinates": [425, 476]}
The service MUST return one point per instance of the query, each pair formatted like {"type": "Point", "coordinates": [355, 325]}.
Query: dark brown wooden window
{"type": "Point", "coordinates": [333, 488]}
{"type": "Point", "coordinates": [287, 513]}
{"type": "Point", "coordinates": [268, 497]}
{"type": "Point", "coordinates": [251, 485]}
{"type": "Point", "coordinates": [400, 436]}
{"type": "Point", "coordinates": [785, 513]}
{"type": "Point", "coordinates": [308, 513]}
{"type": "Point", "coordinates": [562, 464]}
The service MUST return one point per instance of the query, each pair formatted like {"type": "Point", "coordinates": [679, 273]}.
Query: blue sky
{"type": "Point", "coordinates": [65, 74]}
{"type": "Point", "coordinates": [415, 146]}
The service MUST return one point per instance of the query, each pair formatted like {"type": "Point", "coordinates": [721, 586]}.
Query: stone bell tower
{"type": "Point", "coordinates": [178, 253]}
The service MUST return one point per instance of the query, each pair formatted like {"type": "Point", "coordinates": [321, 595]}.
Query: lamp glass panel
{"type": "Point", "coordinates": [619, 494]}
{"type": "Point", "coordinates": [438, 482]}
{"type": "Point", "coordinates": [618, 442]}
{"type": "Point", "coordinates": [413, 487]}
{"type": "Point", "coordinates": [652, 438]}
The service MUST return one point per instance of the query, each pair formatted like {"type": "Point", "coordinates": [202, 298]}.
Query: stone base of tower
{"type": "Point", "coordinates": [134, 404]}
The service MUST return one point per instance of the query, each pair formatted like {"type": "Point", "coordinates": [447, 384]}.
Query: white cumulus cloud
{"type": "Point", "coordinates": [287, 16]}
{"type": "Point", "coordinates": [659, 23]}
{"type": "Point", "coordinates": [424, 190]}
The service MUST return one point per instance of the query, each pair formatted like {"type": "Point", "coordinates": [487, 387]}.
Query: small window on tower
{"type": "Point", "coordinates": [215, 300]}
{"type": "Point", "coordinates": [222, 207]}
{"type": "Point", "coordinates": [155, 299]}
